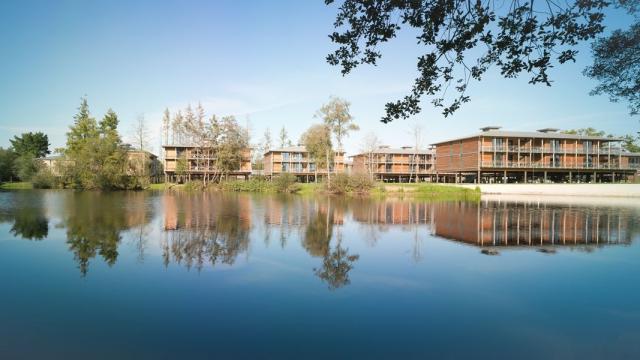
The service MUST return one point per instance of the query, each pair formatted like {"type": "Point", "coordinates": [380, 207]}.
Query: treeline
{"type": "Point", "coordinates": [21, 161]}
{"type": "Point", "coordinates": [95, 158]}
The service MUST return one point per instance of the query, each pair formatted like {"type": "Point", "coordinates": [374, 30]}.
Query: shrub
{"type": "Point", "coordinates": [356, 183]}
{"type": "Point", "coordinates": [285, 183]}
{"type": "Point", "coordinates": [43, 179]}
{"type": "Point", "coordinates": [257, 184]}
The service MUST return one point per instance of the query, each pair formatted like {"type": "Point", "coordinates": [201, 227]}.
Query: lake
{"type": "Point", "coordinates": [178, 275]}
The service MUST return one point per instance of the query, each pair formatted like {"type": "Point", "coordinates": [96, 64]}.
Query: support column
{"type": "Point", "coordinates": [504, 178]}
{"type": "Point", "coordinates": [525, 176]}
{"type": "Point", "coordinates": [545, 176]}
{"type": "Point", "coordinates": [570, 177]}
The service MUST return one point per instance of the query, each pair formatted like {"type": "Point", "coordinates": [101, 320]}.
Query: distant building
{"type": "Point", "coordinates": [545, 155]}
{"type": "Point", "coordinates": [396, 165]}
{"type": "Point", "coordinates": [197, 162]}
{"type": "Point", "coordinates": [295, 160]}
{"type": "Point", "coordinates": [140, 163]}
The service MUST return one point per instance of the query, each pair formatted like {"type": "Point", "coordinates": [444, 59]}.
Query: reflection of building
{"type": "Point", "coordinates": [194, 162]}
{"type": "Point", "coordinates": [393, 212]}
{"type": "Point", "coordinates": [204, 211]}
{"type": "Point", "coordinates": [295, 160]}
{"type": "Point", "coordinates": [298, 213]}
{"type": "Point", "coordinates": [496, 224]}
{"type": "Point", "coordinates": [545, 155]}
{"type": "Point", "coordinates": [400, 165]}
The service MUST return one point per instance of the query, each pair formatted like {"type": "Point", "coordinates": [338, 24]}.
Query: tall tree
{"type": "Point", "coordinates": [416, 133]}
{"type": "Point", "coordinates": [140, 133]}
{"type": "Point", "coordinates": [462, 40]}
{"type": "Point", "coordinates": [166, 124]}
{"type": "Point", "coordinates": [317, 141]}
{"type": "Point", "coordinates": [36, 144]}
{"type": "Point", "coordinates": [338, 119]}
{"type": "Point", "coordinates": [616, 61]}
{"type": "Point", "coordinates": [283, 137]}
{"type": "Point", "coordinates": [7, 157]}
{"type": "Point", "coordinates": [370, 145]}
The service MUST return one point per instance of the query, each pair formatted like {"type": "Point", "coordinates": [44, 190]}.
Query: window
{"type": "Point", "coordinates": [588, 161]}
{"type": "Point", "coordinates": [388, 158]}
{"type": "Point", "coordinates": [387, 167]}
{"type": "Point", "coordinates": [297, 157]}
{"type": "Point", "coordinates": [556, 160]}
{"type": "Point", "coordinates": [587, 146]}
{"type": "Point", "coordinates": [285, 167]}
{"type": "Point", "coordinates": [498, 160]}
{"type": "Point", "coordinates": [285, 156]}
{"type": "Point", "coordinates": [497, 143]}
{"type": "Point", "coordinates": [555, 145]}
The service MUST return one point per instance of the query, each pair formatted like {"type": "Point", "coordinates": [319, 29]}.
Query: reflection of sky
{"type": "Point", "coordinates": [270, 303]}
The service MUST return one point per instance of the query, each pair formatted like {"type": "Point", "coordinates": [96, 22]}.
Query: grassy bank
{"type": "Point", "coordinates": [430, 191]}
{"type": "Point", "coordinates": [16, 186]}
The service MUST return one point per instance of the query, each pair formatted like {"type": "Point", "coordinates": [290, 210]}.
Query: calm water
{"type": "Point", "coordinates": [144, 275]}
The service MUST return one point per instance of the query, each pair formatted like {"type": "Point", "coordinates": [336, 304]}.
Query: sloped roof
{"type": "Point", "coordinates": [403, 151]}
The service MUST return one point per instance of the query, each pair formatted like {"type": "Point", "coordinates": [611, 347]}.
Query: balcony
{"type": "Point", "coordinates": [558, 150]}
{"type": "Point", "coordinates": [547, 165]}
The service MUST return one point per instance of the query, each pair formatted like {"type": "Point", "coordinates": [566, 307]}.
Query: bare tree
{"type": "Point", "coordinates": [336, 115]}
{"type": "Point", "coordinates": [416, 134]}
{"type": "Point", "coordinates": [166, 123]}
{"type": "Point", "coordinates": [370, 144]}
{"type": "Point", "coordinates": [140, 133]}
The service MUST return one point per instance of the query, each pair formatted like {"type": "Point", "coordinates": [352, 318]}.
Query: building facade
{"type": "Point", "coordinates": [546, 155]}
{"type": "Point", "coordinates": [183, 163]}
{"type": "Point", "coordinates": [405, 164]}
{"type": "Point", "coordinates": [295, 160]}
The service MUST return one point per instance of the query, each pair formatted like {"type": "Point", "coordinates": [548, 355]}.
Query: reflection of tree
{"type": "Point", "coordinates": [336, 263]}
{"type": "Point", "coordinates": [94, 223]}
{"type": "Point", "coordinates": [336, 266]}
{"type": "Point", "coordinates": [216, 236]}
{"type": "Point", "coordinates": [27, 213]}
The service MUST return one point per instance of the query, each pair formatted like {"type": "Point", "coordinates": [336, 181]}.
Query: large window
{"type": "Point", "coordinates": [387, 167]}
{"type": "Point", "coordinates": [312, 166]}
{"type": "Point", "coordinates": [285, 156]}
{"type": "Point", "coordinates": [497, 143]}
{"type": "Point", "coordinates": [555, 145]}
{"type": "Point", "coordinates": [285, 167]}
{"type": "Point", "coordinates": [587, 146]}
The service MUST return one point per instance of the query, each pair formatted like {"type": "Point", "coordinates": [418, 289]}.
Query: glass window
{"type": "Point", "coordinates": [587, 146]}
{"type": "Point", "coordinates": [285, 167]}
{"type": "Point", "coordinates": [285, 156]}
{"type": "Point", "coordinates": [312, 167]}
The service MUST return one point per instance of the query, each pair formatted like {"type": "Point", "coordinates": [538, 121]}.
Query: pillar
{"type": "Point", "coordinates": [545, 176]}
{"type": "Point", "coordinates": [525, 176]}
{"type": "Point", "coordinates": [504, 178]}
{"type": "Point", "coordinates": [570, 176]}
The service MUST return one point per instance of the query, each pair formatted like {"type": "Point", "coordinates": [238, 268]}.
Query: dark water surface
{"type": "Point", "coordinates": [151, 275]}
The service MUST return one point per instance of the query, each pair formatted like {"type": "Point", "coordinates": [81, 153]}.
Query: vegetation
{"type": "Point", "coordinates": [338, 119]}
{"type": "Point", "coordinates": [220, 143]}
{"type": "Point", "coordinates": [350, 184]}
{"type": "Point", "coordinates": [94, 157]}
{"type": "Point", "coordinates": [283, 138]}
{"type": "Point", "coordinates": [35, 144]}
{"type": "Point", "coordinates": [16, 186]}
{"type": "Point", "coordinates": [317, 141]}
{"type": "Point", "coordinates": [433, 191]}
{"type": "Point", "coordinates": [630, 143]}
{"type": "Point", "coordinates": [285, 183]}
{"type": "Point", "coordinates": [615, 61]}
{"type": "Point", "coordinates": [462, 40]}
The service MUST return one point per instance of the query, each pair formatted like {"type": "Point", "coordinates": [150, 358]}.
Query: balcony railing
{"type": "Point", "coordinates": [557, 150]}
{"type": "Point", "coordinates": [548, 165]}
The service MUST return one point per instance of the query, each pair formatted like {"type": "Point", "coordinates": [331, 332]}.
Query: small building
{"type": "Point", "coordinates": [144, 163]}
{"type": "Point", "coordinates": [295, 160]}
{"type": "Point", "coordinates": [187, 162]}
{"type": "Point", "coordinates": [546, 155]}
{"type": "Point", "coordinates": [406, 164]}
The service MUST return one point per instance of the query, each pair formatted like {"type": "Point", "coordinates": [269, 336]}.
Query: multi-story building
{"type": "Point", "coordinates": [396, 165]}
{"type": "Point", "coordinates": [494, 155]}
{"type": "Point", "coordinates": [183, 162]}
{"type": "Point", "coordinates": [295, 160]}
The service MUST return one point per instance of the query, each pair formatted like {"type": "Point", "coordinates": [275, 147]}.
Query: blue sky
{"type": "Point", "coordinates": [263, 61]}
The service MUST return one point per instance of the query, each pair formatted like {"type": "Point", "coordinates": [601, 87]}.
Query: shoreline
{"type": "Point", "coordinates": [559, 190]}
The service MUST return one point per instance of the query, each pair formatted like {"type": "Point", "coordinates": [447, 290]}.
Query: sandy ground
{"type": "Point", "coordinates": [590, 190]}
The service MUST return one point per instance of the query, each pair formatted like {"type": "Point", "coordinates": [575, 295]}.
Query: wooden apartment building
{"type": "Point", "coordinates": [295, 160]}
{"type": "Point", "coordinates": [545, 155]}
{"type": "Point", "coordinates": [405, 164]}
{"type": "Point", "coordinates": [197, 162]}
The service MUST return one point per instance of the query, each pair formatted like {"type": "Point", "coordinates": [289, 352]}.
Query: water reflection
{"type": "Point", "coordinates": [214, 229]}
{"type": "Point", "coordinates": [205, 228]}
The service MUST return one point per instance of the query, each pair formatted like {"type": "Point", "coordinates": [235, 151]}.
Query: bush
{"type": "Point", "coordinates": [285, 183]}
{"type": "Point", "coordinates": [257, 184]}
{"type": "Point", "coordinates": [343, 183]}
{"type": "Point", "coordinates": [43, 179]}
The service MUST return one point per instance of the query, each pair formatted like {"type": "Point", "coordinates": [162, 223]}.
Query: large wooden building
{"type": "Point", "coordinates": [295, 160]}
{"type": "Point", "coordinates": [196, 162]}
{"type": "Point", "coordinates": [545, 155]}
{"type": "Point", "coordinates": [405, 164]}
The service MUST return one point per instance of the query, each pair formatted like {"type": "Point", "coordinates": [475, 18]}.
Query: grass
{"type": "Point", "coordinates": [161, 186]}
{"type": "Point", "coordinates": [309, 188]}
{"type": "Point", "coordinates": [16, 186]}
{"type": "Point", "coordinates": [433, 191]}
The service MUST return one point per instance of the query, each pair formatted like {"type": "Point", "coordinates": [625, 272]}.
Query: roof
{"type": "Point", "coordinates": [408, 151]}
{"type": "Point", "coordinates": [531, 134]}
{"type": "Point", "coordinates": [293, 149]}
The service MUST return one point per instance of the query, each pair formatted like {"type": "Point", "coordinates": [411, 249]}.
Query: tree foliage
{"type": "Point", "coordinates": [616, 64]}
{"type": "Point", "coordinates": [7, 157]}
{"type": "Point", "coordinates": [338, 118]}
{"type": "Point", "coordinates": [317, 141]}
{"type": "Point", "coordinates": [462, 40]}
{"type": "Point", "coordinates": [283, 138]}
{"type": "Point", "coordinates": [36, 144]}
{"type": "Point", "coordinates": [94, 157]}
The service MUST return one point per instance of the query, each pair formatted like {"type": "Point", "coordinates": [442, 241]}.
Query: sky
{"type": "Point", "coordinates": [262, 61]}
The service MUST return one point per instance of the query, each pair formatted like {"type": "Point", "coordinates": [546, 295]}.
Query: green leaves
{"type": "Point", "coordinates": [36, 144]}
{"type": "Point", "coordinates": [462, 40]}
